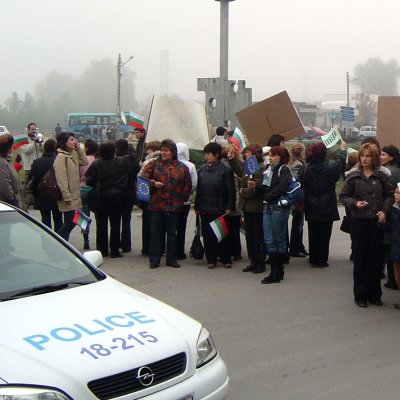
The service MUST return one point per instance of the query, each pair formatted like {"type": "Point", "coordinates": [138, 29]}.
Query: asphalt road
{"type": "Point", "coordinates": [303, 338]}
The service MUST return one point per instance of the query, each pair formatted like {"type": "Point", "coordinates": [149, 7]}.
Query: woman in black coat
{"type": "Point", "coordinates": [111, 174]}
{"type": "Point", "coordinates": [320, 205]}
{"type": "Point", "coordinates": [215, 196]}
{"type": "Point", "coordinates": [46, 205]}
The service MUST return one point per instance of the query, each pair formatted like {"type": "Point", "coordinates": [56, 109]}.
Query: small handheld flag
{"type": "Point", "coordinates": [238, 139]}
{"type": "Point", "coordinates": [81, 219]}
{"type": "Point", "coordinates": [143, 189]}
{"type": "Point", "coordinates": [135, 120]}
{"type": "Point", "coordinates": [251, 166]}
{"type": "Point", "coordinates": [219, 227]}
{"type": "Point", "coordinates": [20, 140]}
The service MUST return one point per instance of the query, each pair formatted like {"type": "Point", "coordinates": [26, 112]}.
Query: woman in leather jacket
{"type": "Point", "coordinates": [369, 194]}
{"type": "Point", "coordinates": [275, 184]}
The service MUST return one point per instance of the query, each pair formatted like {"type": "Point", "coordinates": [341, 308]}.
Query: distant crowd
{"type": "Point", "coordinates": [102, 180]}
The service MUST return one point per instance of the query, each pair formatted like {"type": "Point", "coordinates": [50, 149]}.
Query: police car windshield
{"type": "Point", "coordinates": [32, 258]}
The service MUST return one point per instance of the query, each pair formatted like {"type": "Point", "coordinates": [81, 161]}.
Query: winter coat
{"type": "Point", "coordinates": [39, 167]}
{"type": "Point", "coordinates": [111, 175]}
{"type": "Point", "coordinates": [250, 200]}
{"type": "Point", "coordinates": [183, 155]}
{"type": "Point", "coordinates": [394, 173]}
{"type": "Point", "coordinates": [394, 220]}
{"type": "Point", "coordinates": [237, 168]}
{"type": "Point", "coordinates": [133, 169]}
{"type": "Point", "coordinates": [280, 181]}
{"type": "Point", "coordinates": [84, 168]}
{"type": "Point", "coordinates": [215, 189]}
{"type": "Point", "coordinates": [177, 184]}
{"type": "Point", "coordinates": [375, 189]}
{"type": "Point", "coordinates": [66, 168]}
{"type": "Point", "coordinates": [296, 166]}
{"type": "Point", "coordinates": [10, 187]}
{"type": "Point", "coordinates": [319, 183]}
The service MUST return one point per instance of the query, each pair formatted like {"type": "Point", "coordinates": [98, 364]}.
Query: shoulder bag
{"type": "Point", "coordinates": [48, 185]}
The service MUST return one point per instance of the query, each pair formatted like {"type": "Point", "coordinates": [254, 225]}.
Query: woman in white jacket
{"type": "Point", "coordinates": [183, 155]}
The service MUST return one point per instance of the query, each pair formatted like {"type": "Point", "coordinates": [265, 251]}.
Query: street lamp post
{"type": "Point", "coordinates": [120, 64]}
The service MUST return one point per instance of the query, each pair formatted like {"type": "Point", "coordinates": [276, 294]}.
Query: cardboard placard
{"type": "Point", "coordinates": [179, 120]}
{"type": "Point", "coordinates": [275, 115]}
{"type": "Point", "coordinates": [388, 121]}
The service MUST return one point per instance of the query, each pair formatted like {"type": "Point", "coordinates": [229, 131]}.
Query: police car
{"type": "Point", "coordinates": [69, 331]}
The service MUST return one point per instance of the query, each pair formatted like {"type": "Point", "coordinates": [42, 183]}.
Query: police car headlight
{"type": "Point", "coordinates": [29, 393]}
{"type": "Point", "coordinates": [206, 349]}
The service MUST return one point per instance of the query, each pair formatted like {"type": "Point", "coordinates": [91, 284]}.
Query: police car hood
{"type": "Point", "coordinates": [88, 332]}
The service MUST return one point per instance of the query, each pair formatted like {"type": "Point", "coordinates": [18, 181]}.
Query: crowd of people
{"type": "Point", "coordinates": [220, 189]}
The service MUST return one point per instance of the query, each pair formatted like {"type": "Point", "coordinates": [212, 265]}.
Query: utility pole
{"type": "Point", "coordinates": [120, 64]}
{"type": "Point", "coordinates": [348, 88]}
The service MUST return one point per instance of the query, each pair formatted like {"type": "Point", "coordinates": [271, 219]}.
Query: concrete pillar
{"type": "Point", "coordinates": [224, 39]}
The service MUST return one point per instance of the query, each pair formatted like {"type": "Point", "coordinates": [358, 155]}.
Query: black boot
{"type": "Point", "coordinates": [259, 260]}
{"type": "Point", "coordinates": [260, 267]}
{"type": "Point", "coordinates": [250, 267]}
{"type": "Point", "coordinates": [273, 276]}
{"type": "Point", "coordinates": [391, 281]}
{"type": "Point", "coordinates": [86, 245]}
{"type": "Point", "coordinates": [280, 271]}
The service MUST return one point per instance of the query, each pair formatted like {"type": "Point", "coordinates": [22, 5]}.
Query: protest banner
{"type": "Point", "coordinates": [179, 120]}
{"type": "Point", "coordinates": [331, 138]}
{"type": "Point", "coordinates": [388, 125]}
{"type": "Point", "coordinates": [275, 115]}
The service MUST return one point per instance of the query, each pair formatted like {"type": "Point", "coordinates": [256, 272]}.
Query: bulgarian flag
{"type": "Point", "coordinates": [238, 139]}
{"type": "Point", "coordinates": [20, 140]}
{"type": "Point", "coordinates": [135, 120]}
{"type": "Point", "coordinates": [219, 227]}
{"type": "Point", "coordinates": [81, 219]}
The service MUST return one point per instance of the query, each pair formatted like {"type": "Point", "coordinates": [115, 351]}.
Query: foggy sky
{"type": "Point", "coordinates": [302, 46]}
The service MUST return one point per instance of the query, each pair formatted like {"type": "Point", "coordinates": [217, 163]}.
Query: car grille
{"type": "Point", "coordinates": [127, 382]}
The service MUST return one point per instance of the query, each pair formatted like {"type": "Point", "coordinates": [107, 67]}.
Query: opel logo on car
{"type": "Point", "coordinates": [145, 376]}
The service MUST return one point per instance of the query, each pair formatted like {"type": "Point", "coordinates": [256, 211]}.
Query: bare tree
{"type": "Point", "coordinates": [377, 77]}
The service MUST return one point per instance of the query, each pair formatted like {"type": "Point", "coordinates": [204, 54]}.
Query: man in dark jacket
{"type": "Point", "coordinates": [170, 187]}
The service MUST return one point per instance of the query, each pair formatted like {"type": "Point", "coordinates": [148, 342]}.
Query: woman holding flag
{"type": "Point", "coordinates": [66, 167]}
{"type": "Point", "coordinates": [215, 198]}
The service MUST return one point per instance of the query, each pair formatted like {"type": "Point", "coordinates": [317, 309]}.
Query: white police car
{"type": "Point", "coordinates": [69, 331]}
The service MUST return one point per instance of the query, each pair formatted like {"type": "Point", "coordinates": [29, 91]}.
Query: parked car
{"type": "Point", "coordinates": [3, 130]}
{"type": "Point", "coordinates": [317, 132]}
{"type": "Point", "coordinates": [367, 131]}
{"type": "Point", "coordinates": [308, 133]}
{"type": "Point", "coordinates": [71, 332]}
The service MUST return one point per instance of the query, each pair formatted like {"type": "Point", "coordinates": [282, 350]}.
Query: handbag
{"type": "Point", "coordinates": [48, 185]}
{"type": "Point", "coordinates": [345, 225]}
{"type": "Point", "coordinates": [294, 193]}
{"type": "Point", "coordinates": [94, 199]}
{"type": "Point", "coordinates": [197, 249]}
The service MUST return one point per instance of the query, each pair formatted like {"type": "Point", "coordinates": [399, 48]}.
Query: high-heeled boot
{"type": "Point", "coordinates": [274, 276]}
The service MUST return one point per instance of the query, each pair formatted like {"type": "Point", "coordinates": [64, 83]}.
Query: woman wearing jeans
{"type": "Point", "coordinates": [275, 184]}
